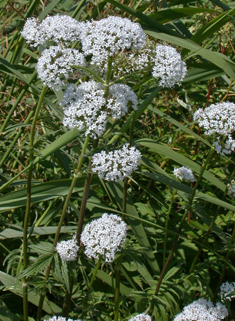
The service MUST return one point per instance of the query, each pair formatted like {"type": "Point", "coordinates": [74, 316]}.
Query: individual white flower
{"type": "Point", "coordinates": [55, 318]}
{"type": "Point", "coordinates": [168, 67]}
{"type": "Point", "coordinates": [85, 106]}
{"type": "Point", "coordinates": [54, 65]}
{"type": "Point", "coordinates": [104, 237]}
{"type": "Point", "coordinates": [116, 164]}
{"type": "Point", "coordinates": [59, 28]}
{"type": "Point", "coordinates": [109, 36]}
{"type": "Point", "coordinates": [227, 290]}
{"type": "Point", "coordinates": [31, 32]}
{"type": "Point", "coordinates": [217, 119]}
{"type": "Point", "coordinates": [225, 146]}
{"type": "Point", "coordinates": [184, 173]}
{"type": "Point", "coordinates": [68, 250]}
{"type": "Point", "coordinates": [202, 310]}
{"type": "Point", "coordinates": [141, 317]}
{"type": "Point", "coordinates": [231, 189]}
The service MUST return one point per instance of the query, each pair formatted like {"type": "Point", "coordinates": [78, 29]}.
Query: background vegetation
{"type": "Point", "coordinates": [191, 224]}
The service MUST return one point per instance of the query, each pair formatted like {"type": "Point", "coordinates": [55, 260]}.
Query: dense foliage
{"type": "Point", "coordinates": [140, 128]}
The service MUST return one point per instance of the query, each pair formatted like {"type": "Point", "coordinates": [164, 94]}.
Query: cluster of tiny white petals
{"type": "Point", "coordinates": [217, 118]}
{"type": "Point", "coordinates": [59, 28]}
{"type": "Point", "coordinates": [119, 97]}
{"type": "Point", "coordinates": [31, 32]}
{"type": "Point", "coordinates": [104, 237]}
{"type": "Point", "coordinates": [109, 36]}
{"type": "Point", "coordinates": [202, 310]}
{"type": "Point", "coordinates": [141, 317]}
{"type": "Point", "coordinates": [68, 250]}
{"type": "Point", "coordinates": [86, 107]}
{"type": "Point", "coordinates": [231, 189]}
{"type": "Point", "coordinates": [116, 164]}
{"type": "Point", "coordinates": [83, 106]}
{"type": "Point", "coordinates": [54, 65]}
{"type": "Point", "coordinates": [227, 291]}
{"type": "Point", "coordinates": [225, 147]}
{"type": "Point", "coordinates": [184, 173]}
{"type": "Point", "coordinates": [168, 67]}
{"type": "Point", "coordinates": [55, 318]}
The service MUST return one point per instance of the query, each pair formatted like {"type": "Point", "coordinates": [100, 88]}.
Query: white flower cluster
{"type": "Point", "coordinates": [231, 189]}
{"type": "Point", "coordinates": [86, 106]}
{"type": "Point", "coordinates": [68, 250]}
{"type": "Point", "coordinates": [227, 291]}
{"type": "Point", "coordinates": [218, 119]}
{"type": "Point", "coordinates": [59, 28]}
{"type": "Point", "coordinates": [141, 317]}
{"type": "Point", "coordinates": [202, 310]}
{"type": "Point", "coordinates": [55, 318]}
{"type": "Point", "coordinates": [109, 36]}
{"type": "Point", "coordinates": [116, 164]}
{"type": "Point", "coordinates": [169, 67]}
{"type": "Point", "coordinates": [104, 237]}
{"type": "Point", "coordinates": [53, 66]}
{"type": "Point", "coordinates": [184, 173]}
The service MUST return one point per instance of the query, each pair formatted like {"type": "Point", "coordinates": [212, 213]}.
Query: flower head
{"type": "Point", "coordinates": [141, 317]}
{"type": "Point", "coordinates": [226, 145]}
{"type": "Point", "coordinates": [53, 66]}
{"type": "Point", "coordinates": [59, 28]}
{"type": "Point", "coordinates": [202, 310]}
{"type": "Point", "coordinates": [227, 291]}
{"type": "Point", "coordinates": [217, 119]}
{"type": "Point", "coordinates": [68, 250]}
{"type": "Point", "coordinates": [86, 107]}
{"type": "Point", "coordinates": [55, 318]}
{"type": "Point", "coordinates": [109, 36]}
{"type": "Point", "coordinates": [184, 173]}
{"type": "Point", "coordinates": [116, 164]}
{"type": "Point", "coordinates": [169, 67]}
{"type": "Point", "coordinates": [231, 189]}
{"type": "Point", "coordinates": [104, 237]}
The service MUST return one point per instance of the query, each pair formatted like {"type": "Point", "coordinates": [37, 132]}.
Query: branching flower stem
{"type": "Point", "coordinates": [66, 203]}
{"type": "Point", "coordinates": [203, 167]}
{"type": "Point", "coordinates": [28, 204]}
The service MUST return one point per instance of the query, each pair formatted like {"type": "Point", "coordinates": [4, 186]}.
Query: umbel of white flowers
{"type": "Point", "coordinates": [116, 164]}
{"type": "Point", "coordinates": [184, 174]}
{"type": "Point", "coordinates": [202, 310]}
{"type": "Point", "coordinates": [55, 318]}
{"type": "Point", "coordinates": [86, 106]}
{"type": "Point", "coordinates": [68, 250]}
{"type": "Point", "coordinates": [231, 189]}
{"type": "Point", "coordinates": [168, 67]}
{"type": "Point", "coordinates": [141, 317]}
{"type": "Point", "coordinates": [104, 237]}
{"type": "Point", "coordinates": [218, 119]}
{"type": "Point", "coordinates": [227, 291]}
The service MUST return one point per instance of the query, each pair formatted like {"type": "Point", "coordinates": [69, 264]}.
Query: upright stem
{"type": "Point", "coordinates": [203, 167]}
{"type": "Point", "coordinates": [66, 203]}
{"type": "Point", "coordinates": [28, 204]}
{"type": "Point", "coordinates": [90, 285]}
{"type": "Point", "coordinates": [117, 290]}
{"type": "Point", "coordinates": [108, 76]}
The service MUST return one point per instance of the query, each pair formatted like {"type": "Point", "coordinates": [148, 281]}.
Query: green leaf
{"type": "Point", "coordinates": [13, 285]}
{"type": "Point", "coordinates": [111, 282]}
{"type": "Point", "coordinates": [5, 313]}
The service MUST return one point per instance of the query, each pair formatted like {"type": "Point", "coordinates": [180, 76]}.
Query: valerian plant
{"type": "Point", "coordinates": [117, 165]}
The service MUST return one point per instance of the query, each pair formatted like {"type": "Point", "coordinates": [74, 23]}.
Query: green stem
{"type": "Point", "coordinates": [117, 290]}
{"type": "Point", "coordinates": [203, 167]}
{"type": "Point", "coordinates": [28, 204]}
{"type": "Point", "coordinates": [166, 225]}
{"type": "Point", "coordinates": [90, 285]}
{"type": "Point", "coordinates": [108, 76]}
{"type": "Point", "coordinates": [66, 203]}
